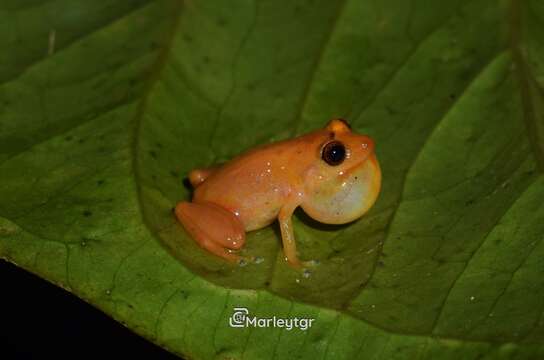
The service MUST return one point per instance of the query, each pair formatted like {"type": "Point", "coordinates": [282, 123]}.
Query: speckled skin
{"type": "Point", "coordinates": [269, 182]}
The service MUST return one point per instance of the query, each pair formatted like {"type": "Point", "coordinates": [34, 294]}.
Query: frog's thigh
{"type": "Point", "coordinates": [197, 176]}
{"type": "Point", "coordinates": [212, 227]}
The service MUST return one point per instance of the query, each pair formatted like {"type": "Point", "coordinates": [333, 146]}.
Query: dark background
{"type": "Point", "coordinates": [39, 320]}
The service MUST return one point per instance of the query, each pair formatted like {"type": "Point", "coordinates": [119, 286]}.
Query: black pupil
{"type": "Point", "coordinates": [334, 153]}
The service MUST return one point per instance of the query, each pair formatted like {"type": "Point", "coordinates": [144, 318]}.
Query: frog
{"type": "Point", "coordinates": [332, 173]}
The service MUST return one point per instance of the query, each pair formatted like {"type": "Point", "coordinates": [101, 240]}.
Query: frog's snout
{"type": "Point", "coordinates": [367, 144]}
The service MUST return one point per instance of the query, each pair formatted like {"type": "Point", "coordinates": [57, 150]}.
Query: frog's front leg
{"type": "Point", "coordinates": [287, 233]}
{"type": "Point", "coordinates": [214, 228]}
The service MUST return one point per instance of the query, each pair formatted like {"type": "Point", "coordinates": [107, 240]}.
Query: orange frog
{"type": "Point", "coordinates": [332, 173]}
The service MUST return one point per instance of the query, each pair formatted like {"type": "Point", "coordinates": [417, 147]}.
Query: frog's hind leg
{"type": "Point", "coordinates": [197, 176]}
{"type": "Point", "coordinates": [214, 228]}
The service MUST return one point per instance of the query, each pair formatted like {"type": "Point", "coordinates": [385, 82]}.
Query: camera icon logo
{"type": "Point", "coordinates": [238, 317]}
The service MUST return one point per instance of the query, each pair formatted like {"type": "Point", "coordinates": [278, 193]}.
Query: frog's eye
{"type": "Point", "coordinates": [334, 153]}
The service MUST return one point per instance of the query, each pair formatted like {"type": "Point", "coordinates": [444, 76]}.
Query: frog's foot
{"type": "Point", "coordinates": [302, 265]}
{"type": "Point", "coordinates": [197, 176]}
{"type": "Point", "coordinates": [214, 228]}
{"type": "Point", "coordinates": [309, 264]}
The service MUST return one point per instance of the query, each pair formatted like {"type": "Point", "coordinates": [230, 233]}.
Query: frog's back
{"type": "Point", "coordinates": [253, 185]}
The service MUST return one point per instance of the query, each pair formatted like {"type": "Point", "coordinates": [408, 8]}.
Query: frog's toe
{"type": "Point", "coordinates": [309, 264]}
{"type": "Point", "coordinates": [303, 266]}
{"type": "Point", "coordinates": [198, 176]}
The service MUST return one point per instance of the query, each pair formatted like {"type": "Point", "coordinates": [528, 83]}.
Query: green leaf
{"type": "Point", "coordinates": [106, 105]}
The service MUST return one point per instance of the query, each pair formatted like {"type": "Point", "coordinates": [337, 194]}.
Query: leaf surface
{"type": "Point", "coordinates": [105, 106]}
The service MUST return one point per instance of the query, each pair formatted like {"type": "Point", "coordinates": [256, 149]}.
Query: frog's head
{"type": "Point", "coordinates": [345, 182]}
